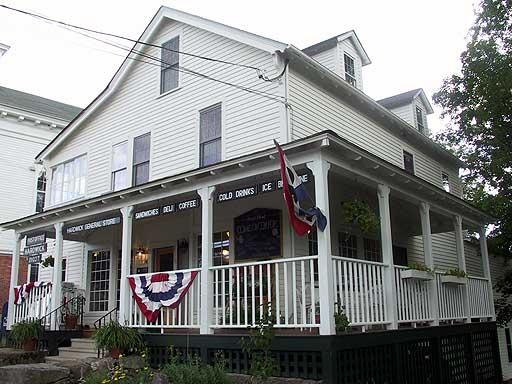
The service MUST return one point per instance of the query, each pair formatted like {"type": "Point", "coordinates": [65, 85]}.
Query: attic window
{"type": "Point", "coordinates": [170, 65]}
{"type": "Point", "coordinates": [350, 71]}
{"type": "Point", "coordinates": [419, 120]}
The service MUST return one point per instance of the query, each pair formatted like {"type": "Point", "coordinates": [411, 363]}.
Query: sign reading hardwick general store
{"type": "Point", "coordinates": [35, 245]}
{"type": "Point", "coordinates": [93, 225]}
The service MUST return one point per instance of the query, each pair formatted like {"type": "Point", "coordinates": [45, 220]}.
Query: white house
{"type": "Point", "coordinates": [27, 124]}
{"type": "Point", "coordinates": [172, 168]}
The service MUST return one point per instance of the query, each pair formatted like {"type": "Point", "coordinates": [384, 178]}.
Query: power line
{"type": "Point", "coordinates": [158, 62]}
{"type": "Point", "coordinates": [259, 70]}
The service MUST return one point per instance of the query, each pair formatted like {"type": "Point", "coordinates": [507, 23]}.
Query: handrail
{"type": "Point", "coordinates": [265, 262]}
{"type": "Point", "coordinates": [98, 323]}
{"type": "Point", "coordinates": [79, 299]}
{"type": "Point", "coordinates": [359, 261]}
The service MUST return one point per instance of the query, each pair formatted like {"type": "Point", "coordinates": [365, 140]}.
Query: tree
{"type": "Point", "coordinates": [479, 105]}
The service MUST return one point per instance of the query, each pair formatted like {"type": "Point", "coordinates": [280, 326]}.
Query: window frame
{"type": "Point", "coordinates": [41, 192]}
{"type": "Point", "coordinates": [445, 181]}
{"type": "Point", "coordinates": [352, 78]}
{"type": "Point", "coordinates": [161, 70]}
{"type": "Point", "coordinates": [32, 267]}
{"type": "Point", "coordinates": [113, 171]}
{"type": "Point", "coordinates": [420, 115]}
{"type": "Point", "coordinates": [133, 181]}
{"type": "Point", "coordinates": [508, 344]}
{"type": "Point", "coordinates": [85, 175]}
{"type": "Point", "coordinates": [210, 106]}
{"type": "Point", "coordinates": [413, 170]}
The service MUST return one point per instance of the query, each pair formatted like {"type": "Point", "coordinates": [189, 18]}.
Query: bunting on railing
{"type": "Point", "coordinates": [166, 289]}
{"type": "Point", "coordinates": [21, 291]}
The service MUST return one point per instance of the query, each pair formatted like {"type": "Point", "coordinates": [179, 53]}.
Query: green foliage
{"type": "Point", "coordinates": [114, 335]}
{"type": "Point", "coordinates": [359, 213]}
{"type": "Point", "coordinates": [456, 272]}
{"type": "Point", "coordinates": [340, 318]}
{"type": "Point", "coordinates": [48, 262]}
{"type": "Point", "coordinates": [192, 372]}
{"type": "Point", "coordinates": [479, 105]}
{"type": "Point", "coordinates": [420, 267]}
{"type": "Point", "coordinates": [502, 300]}
{"type": "Point", "coordinates": [25, 330]}
{"type": "Point", "coordinates": [261, 336]}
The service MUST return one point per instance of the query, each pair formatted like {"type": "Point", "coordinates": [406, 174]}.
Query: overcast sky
{"type": "Point", "coordinates": [411, 43]}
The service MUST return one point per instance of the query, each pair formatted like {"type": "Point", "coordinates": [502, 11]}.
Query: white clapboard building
{"type": "Point", "coordinates": [172, 169]}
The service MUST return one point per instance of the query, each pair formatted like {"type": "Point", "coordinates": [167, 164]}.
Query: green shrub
{"type": "Point", "coordinates": [115, 336]}
{"type": "Point", "coordinates": [456, 272]}
{"type": "Point", "coordinates": [340, 318]}
{"type": "Point", "coordinates": [25, 330]}
{"type": "Point", "coordinates": [192, 372]}
{"type": "Point", "coordinates": [420, 267]}
{"type": "Point", "coordinates": [360, 213]}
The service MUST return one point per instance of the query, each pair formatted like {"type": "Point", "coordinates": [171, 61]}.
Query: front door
{"type": "Point", "coordinates": [164, 259]}
{"type": "Point", "coordinates": [99, 281]}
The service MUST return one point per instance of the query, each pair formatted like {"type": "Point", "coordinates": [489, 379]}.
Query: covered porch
{"type": "Point", "coordinates": [228, 225]}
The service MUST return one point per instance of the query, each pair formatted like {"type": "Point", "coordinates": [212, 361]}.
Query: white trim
{"type": "Point", "coordinates": [365, 59]}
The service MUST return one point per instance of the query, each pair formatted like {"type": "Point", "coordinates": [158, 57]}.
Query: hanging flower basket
{"type": "Point", "coordinates": [454, 280]}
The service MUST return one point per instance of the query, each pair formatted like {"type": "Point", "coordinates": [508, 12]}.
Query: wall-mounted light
{"type": "Point", "coordinates": [142, 256]}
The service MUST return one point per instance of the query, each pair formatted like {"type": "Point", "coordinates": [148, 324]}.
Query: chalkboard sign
{"type": "Point", "coordinates": [258, 234]}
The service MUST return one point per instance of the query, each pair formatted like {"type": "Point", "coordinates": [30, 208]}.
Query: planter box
{"type": "Point", "coordinates": [454, 280]}
{"type": "Point", "coordinates": [414, 274]}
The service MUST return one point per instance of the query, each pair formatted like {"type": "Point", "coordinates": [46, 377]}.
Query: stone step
{"type": "Point", "coordinates": [83, 343]}
{"type": "Point", "coordinates": [77, 353]}
{"type": "Point", "coordinates": [57, 359]}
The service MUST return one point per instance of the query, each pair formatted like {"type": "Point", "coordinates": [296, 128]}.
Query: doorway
{"type": "Point", "coordinates": [164, 259]}
{"type": "Point", "coordinates": [99, 280]}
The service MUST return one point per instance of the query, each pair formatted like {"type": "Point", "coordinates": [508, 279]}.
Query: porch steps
{"type": "Point", "coordinates": [80, 349]}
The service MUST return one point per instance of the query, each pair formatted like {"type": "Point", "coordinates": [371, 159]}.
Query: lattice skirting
{"type": "Point", "coordinates": [456, 354]}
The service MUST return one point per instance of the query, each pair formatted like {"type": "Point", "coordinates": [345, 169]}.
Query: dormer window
{"type": "Point", "coordinates": [350, 70]}
{"type": "Point", "coordinates": [419, 120]}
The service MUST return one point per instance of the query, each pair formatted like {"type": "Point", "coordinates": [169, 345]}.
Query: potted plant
{"type": "Point", "coordinates": [340, 318]}
{"type": "Point", "coordinates": [359, 213]}
{"type": "Point", "coordinates": [117, 339]}
{"type": "Point", "coordinates": [70, 312]}
{"type": "Point", "coordinates": [455, 277]}
{"type": "Point", "coordinates": [26, 333]}
{"type": "Point", "coordinates": [417, 271]}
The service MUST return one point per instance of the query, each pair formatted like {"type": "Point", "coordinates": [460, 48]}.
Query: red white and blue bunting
{"type": "Point", "coordinates": [166, 289]}
{"type": "Point", "coordinates": [21, 291]}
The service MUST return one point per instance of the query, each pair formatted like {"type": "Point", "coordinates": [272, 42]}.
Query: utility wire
{"type": "Point", "coordinates": [158, 62]}
{"type": "Point", "coordinates": [259, 70]}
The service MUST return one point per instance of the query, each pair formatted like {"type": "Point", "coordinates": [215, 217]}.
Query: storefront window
{"type": "Point", "coordinates": [100, 275]}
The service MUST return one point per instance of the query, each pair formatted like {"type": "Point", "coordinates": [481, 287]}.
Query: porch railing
{"type": "Point", "coordinates": [412, 298]}
{"type": "Point", "coordinates": [451, 300]}
{"type": "Point", "coordinates": [287, 288]}
{"type": "Point", "coordinates": [186, 315]}
{"type": "Point", "coordinates": [37, 304]}
{"type": "Point", "coordinates": [480, 304]}
{"type": "Point", "coordinates": [359, 289]}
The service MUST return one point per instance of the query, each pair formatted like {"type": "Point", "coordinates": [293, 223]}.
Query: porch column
{"type": "Point", "coordinates": [57, 274]}
{"type": "Point", "coordinates": [429, 259]}
{"type": "Point", "coordinates": [320, 169]}
{"type": "Point", "coordinates": [387, 256]}
{"type": "Point", "coordinates": [126, 258]}
{"type": "Point", "coordinates": [15, 266]}
{"type": "Point", "coordinates": [461, 258]}
{"type": "Point", "coordinates": [485, 263]}
{"type": "Point", "coordinates": [206, 194]}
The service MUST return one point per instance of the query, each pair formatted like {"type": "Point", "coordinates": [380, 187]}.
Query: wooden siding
{"type": "Point", "coordinates": [21, 141]}
{"type": "Point", "coordinates": [73, 252]}
{"type": "Point", "coordinates": [250, 123]}
{"type": "Point", "coordinates": [405, 112]}
{"type": "Point", "coordinates": [328, 59]}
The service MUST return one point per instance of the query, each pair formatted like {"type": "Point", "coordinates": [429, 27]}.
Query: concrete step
{"type": "Point", "coordinates": [57, 359]}
{"type": "Point", "coordinates": [83, 343]}
{"type": "Point", "coordinates": [77, 353]}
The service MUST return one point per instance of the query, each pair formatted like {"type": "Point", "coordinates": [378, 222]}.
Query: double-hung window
{"type": "Point", "coordinates": [33, 273]}
{"type": "Point", "coordinates": [419, 120]}
{"type": "Point", "coordinates": [408, 162]}
{"type": "Point", "coordinates": [169, 76]}
{"type": "Point", "coordinates": [119, 166]}
{"type": "Point", "coordinates": [40, 192]}
{"type": "Point", "coordinates": [141, 152]}
{"type": "Point", "coordinates": [350, 70]}
{"type": "Point", "coordinates": [446, 181]}
{"type": "Point", "coordinates": [509, 344]}
{"type": "Point", "coordinates": [68, 180]}
{"type": "Point", "coordinates": [210, 135]}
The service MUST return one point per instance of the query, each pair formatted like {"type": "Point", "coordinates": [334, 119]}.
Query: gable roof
{"type": "Point", "coordinates": [36, 104]}
{"type": "Point", "coordinates": [164, 12]}
{"type": "Point", "coordinates": [406, 98]}
{"type": "Point", "coordinates": [333, 42]}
